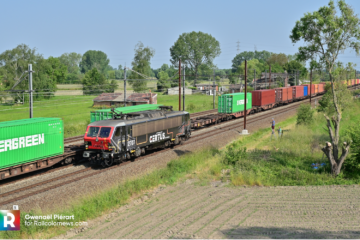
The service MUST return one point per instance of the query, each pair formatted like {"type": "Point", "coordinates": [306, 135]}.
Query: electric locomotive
{"type": "Point", "coordinates": [131, 135]}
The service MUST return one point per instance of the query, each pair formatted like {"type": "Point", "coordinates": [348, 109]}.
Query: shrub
{"type": "Point", "coordinates": [234, 154]}
{"type": "Point", "coordinates": [352, 163]}
{"type": "Point", "coordinates": [304, 115]}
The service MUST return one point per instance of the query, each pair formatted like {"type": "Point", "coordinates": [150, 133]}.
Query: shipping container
{"type": "Point", "coordinates": [27, 140]}
{"type": "Point", "coordinates": [306, 90]}
{"type": "Point", "coordinates": [220, 103]}
{"type": "Point", "coordinates": [263, 97]}
{"type": "Point", "coordinates": [352, 82]}
{"type": "Point", "coordinates": [349, 82]}
{"type": "Point", "coordinates": [234, 102]}
{"type": "Point", "coordinates": [321, 88]}
{"type": "Point", "coordinates": [104, 114]}
{"type": "Point", "coordinates": [283, 94]}
{"type": "Point", "coordinates": [312, 89]}
{"type": "Point", "coordinates": [316, 88]}
{"type": "Point", "coordinates": [298, 92]}
{"type": "Point", "coordinates": [358, 81]}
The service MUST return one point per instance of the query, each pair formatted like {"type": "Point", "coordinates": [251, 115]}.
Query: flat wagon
{"type": "Point", "coordinates": [31, 144]}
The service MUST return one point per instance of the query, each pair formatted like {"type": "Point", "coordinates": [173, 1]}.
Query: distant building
{"type": "Point", "coordinates": [235, 88]}
{"type": "Point", "coordinates": [117, 99]}
{"type": "Point", "coordinates": [175, 91]}
{"type": "Point", "coordinates": [206, 87]}
{"type": "Point", "coordinates": [108, 99]}
{"type": "Point", "coordinates": [141, 98]}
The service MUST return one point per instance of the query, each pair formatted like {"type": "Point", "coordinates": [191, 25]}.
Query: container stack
{"type": "Point", "coordinates": [234, 102]}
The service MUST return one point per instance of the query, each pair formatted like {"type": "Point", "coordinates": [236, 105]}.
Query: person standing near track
{"type": "Point", "coordinates": [272, 128]}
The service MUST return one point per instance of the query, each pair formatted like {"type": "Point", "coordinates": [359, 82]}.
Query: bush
{"type": "Point", "coordinates": [234, 154]}
{"type": "Point", "coordinates": [352, 163]}
{"type": "Point", "coordinates": [305, 114]}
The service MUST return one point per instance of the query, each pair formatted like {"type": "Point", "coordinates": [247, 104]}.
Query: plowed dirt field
{"type": "Point", "coordinates": [188, 210]}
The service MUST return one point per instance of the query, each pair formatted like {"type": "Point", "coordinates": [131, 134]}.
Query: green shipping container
{"type": "Point", "coordinates": [27, 140]}
{"type": "Point", "coordinates": [220, 103]}
{"type": "Point", "coordinates": [234, 102]}
{"type": "Point", "coordinates": [104, 114]}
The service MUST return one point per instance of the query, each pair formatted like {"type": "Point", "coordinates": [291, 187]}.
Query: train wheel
{"type": "Point", "coordinates": [137, 152]}
{"type": "Point", "coordinates": [107, 162]}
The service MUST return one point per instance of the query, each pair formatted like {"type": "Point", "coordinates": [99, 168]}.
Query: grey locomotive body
{"type": "Point", "coordinates": [131, 135]}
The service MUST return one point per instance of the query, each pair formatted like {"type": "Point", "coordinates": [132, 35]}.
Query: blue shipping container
{"type": "Point", "coordinates": [305, 90]}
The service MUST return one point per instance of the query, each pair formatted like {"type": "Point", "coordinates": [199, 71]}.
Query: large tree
{"type": "Point", "coordinates": [55, 70]}
{"type": "Point", "coordinates": [280, 58]}
{"type": "Point", "coordinates": [94, 59]}
{"type": "Point", "coordinates": [95, 82]}
{"type": "Point", "coordinates": [327, 32]}
{"type": "Point", "coordinates": [14, 62]}
{"type": "Point", "coordinates": [71, 61]}
{"type": "Point", "coordinates": [195, 49]}
{"type": "Point", "coordinates": [262, 56]}
{"type": "Point", "coordinates": [141, 64]}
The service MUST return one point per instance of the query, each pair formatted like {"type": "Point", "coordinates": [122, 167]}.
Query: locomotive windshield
{"type": "Point", "coordinates": [104, 132]}
{"type": "Point", "coordinates": [93, 132]}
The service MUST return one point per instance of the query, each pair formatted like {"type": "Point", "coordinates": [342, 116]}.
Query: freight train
{"type": "Point", "coordinates": [32, 144]}
{"type": "Point", "coordinates": [232, 105]}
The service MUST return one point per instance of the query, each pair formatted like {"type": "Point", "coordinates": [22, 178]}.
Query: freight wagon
{"type": "Point", "coordinates": [298, 92]}
{"type": "Point", "coordinates": [263, 99]}
{"type": "Point", "coordinates": [31, 144]}
{"type": "Point", "coordinates": [131, 135]}
{"type": "Point", "coordinates": [229, 106]}
{"type": "Point", "coordinates": [283, 95]}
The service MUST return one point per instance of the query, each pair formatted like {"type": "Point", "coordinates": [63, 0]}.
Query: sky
{"type": "Point", "coordinates": [115, 27]}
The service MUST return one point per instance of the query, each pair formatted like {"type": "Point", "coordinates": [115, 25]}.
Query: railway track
{"type": "Point", "coordinates": [69, 178]}
{"type": "Point", "coordinates": [69, 140]}
{"type": "Point", "coordinates": [72, 145]}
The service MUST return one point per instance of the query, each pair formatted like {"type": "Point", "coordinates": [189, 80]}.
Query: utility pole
{"type": "Point", "coordinates": [310, 84]}
{"type": "Point", "coordinates": [30, 91]}
{"type": "Point", "coordinates": [179, 84]}
{"type": "Point", "coordinates": [265, 78]}
{"type": "Point", "coordinates": [254, 79]}
{"type": "Point", "coordinates": [184, 89]}
{"type": "Point", "coordinates": [270, 77]}
{"type": "Point", "coordinates": [214, 91]}
{"type": "Point", "coordinates": [245, 100]}
{"type": "Point", "coordinates": [125, 86]}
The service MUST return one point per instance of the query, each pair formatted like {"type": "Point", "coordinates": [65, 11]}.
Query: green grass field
{"type": "Point", "coordinates": [75, 110]}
